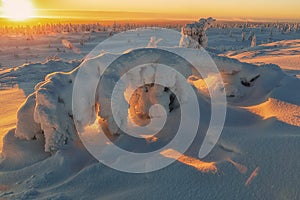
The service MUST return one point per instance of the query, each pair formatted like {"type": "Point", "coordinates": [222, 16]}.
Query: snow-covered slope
{"type": "Point", "coordinates": [43, 157]}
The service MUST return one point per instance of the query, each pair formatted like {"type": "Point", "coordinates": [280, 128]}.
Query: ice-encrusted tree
{"type": "Point", "coordinates": [194, 35]}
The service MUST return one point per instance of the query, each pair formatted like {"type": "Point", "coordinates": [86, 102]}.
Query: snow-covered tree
{"type": "Point", "coordinates": [243, 36]}
{"type": "Point", "coordinates": [253, 42]}
{"type": "Point", "coordinates": [251, 34]}
{"type": "Point", "coordinates": [271, 36]}
{"type": "Point", "coordinates": [194, 35]}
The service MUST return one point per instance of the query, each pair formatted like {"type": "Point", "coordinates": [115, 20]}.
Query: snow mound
{"type": "Point", "coordinates": [48, 110]}
{"type": "Point", "coordinates": [244, 83]}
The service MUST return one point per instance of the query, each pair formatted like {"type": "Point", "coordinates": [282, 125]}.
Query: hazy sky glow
{"type": "Point", "coordinates": [231, 9]}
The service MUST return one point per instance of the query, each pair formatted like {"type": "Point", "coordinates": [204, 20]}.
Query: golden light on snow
{"type": "Point", "coordinates": [282, 111]}
{"type": "Point", "coordinates": [11, 99]}
{"type": "Point", "coordinates": [190, 161]}
{"type": "Point", "coordinates": [18, 10]}
{"type": "Point", "coordinates": [242, 168]}
{"type": "Point", "coordinates": [252, 176]}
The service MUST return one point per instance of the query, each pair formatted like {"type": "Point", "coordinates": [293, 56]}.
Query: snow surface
{"type": "Point", "coordinates": [256, 156]}
{"type": "Point", "coordinates": [283, 53]}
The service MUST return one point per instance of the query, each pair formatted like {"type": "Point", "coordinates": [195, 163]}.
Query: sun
{"type": "Point", "coordinates": [18, 10]}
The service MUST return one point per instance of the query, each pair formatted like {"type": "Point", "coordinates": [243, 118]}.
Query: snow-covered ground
{"type": "Point", "coordinates": [255, 158]}
{"type": "Point", "coordinates": [17, 50]}
{"type": "Point", "coordinates": [284, 53]}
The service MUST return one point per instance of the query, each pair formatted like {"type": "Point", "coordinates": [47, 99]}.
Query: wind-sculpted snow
{"type": "Point", "coordinates": [49, 111]}
{"type": "Point", "coordinates": [246, 83]}
{"type": "Point", "coordinates": [261, 132]}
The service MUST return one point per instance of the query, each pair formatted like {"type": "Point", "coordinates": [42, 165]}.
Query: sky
{"type": "Point", "coordinates": [230, 9]}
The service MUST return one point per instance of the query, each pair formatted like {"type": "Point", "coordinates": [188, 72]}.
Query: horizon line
{"type": "Point", "coordinates": [144, 16]}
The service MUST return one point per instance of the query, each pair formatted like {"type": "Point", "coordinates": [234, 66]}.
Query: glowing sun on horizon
{"type": "Point", "coordinates": [18, 10]}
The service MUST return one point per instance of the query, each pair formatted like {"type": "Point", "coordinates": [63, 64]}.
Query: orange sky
{"type": "Point", "coordinates": [183, 9]}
